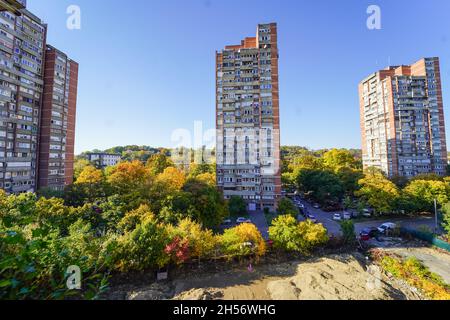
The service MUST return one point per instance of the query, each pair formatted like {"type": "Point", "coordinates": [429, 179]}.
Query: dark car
{"type": "Point", "coordinates": [368, 233]}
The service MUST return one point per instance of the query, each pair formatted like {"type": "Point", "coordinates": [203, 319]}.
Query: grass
{"type": "Point", "coordinates": [416, 274]}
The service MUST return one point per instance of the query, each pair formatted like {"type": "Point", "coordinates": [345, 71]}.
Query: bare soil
{"type": "Point", "coordinates": [332, 277]}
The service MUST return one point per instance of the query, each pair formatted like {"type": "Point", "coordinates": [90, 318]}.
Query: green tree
{"type": "Point", "coordinates": [243, 240]}
{"type": "Point", "coordinates": [322, 186]}
{"type": "Point", "coordinates": [446, 217]}
{"type": "Point", "coordinates": [79, 166]}
{"type": "Point", "coordinates": [348, 231]}
{"type": "Point", "coordinates": [158, 163]}
{"type": "Point", "coordinates": [143, 248]}
{"type": "Point", "coordinates": [287, 207]}
{"type": "Point", "coordinates": [421, 194]}
{"type": "Point", "coordinates": [207, 204]}
{"type": "Point", "coordinates": [289, 235]}
{"type": "Point", "coordinates": [380, 193]}
{"type": "Point", "coordinates": [237, 206]}
{"type": "Point", "coordinates": [337, 160]}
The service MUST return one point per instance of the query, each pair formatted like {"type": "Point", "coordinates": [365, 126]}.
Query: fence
{"type": "Point", "coordinates": [429, 237]}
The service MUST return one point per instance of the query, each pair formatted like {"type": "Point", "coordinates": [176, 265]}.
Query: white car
{"type": "Point", "coordinates": [227, 222]}
{"type": "Point", "coordinates": [337, 217]}
{"type": "Point", "coordinates": [347, 216]}
{"type": "Point", "coordinates": [312, 218]}
{"type": "Point", "coordinates": [367, 213]}
{"type": "Point", "coordinates": [386, 227]}
{"type": "Point", "coordinates": [241, 220]}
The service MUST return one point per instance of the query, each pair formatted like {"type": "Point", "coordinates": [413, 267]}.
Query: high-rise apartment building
{"type": "Point", "coordinates": [248, 121]}
{"type": "Point", "coordinates": [36, 127]}
{"type": "Point", "coordinates": [13, 6]}
{"type": "Point", "coordinates": [402, 120]}
{"type": "Point", "coordinates": [22, 49]}
{"type": "Point", "coordinates": [57, 126]}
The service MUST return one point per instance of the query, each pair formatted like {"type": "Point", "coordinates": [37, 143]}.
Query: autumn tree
{"type": "Point", "coordinates": [79, 166]}
{"type": "Point", "coordinates": [202, 242]}
{"type": "Point", "coordinates": [289, 235]}
{"type": "Point", "coordinates": [208, 178]}
{"type": "Point", "coordinates": [142, 248]}
{"type": "Point", "coordinates": [131, 181]}
{"type": "Point", "coordinates": [421, 194]}
{"type": "Point", "coordinates": [89, 186]}
{"type": "Point", "coordinates": [243, 240]}
{"type": "Point", "coordinates": [172, 178]}
{"type": "Point", "coordinates": [90, 176]}
{"type": "Point", "coordinates": [135, 217]}
{"type": "Point", "coordinates": [337, 160]}
{"type": "Point", "coordinates": [378, 191]}
{"type": "Point", "coordinates": [158, 163]}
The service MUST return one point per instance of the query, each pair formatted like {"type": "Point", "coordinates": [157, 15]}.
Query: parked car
{"type": "Point", "coordinates": [227, 222]}
{"type": "Point", "coordinates": [312, 218]}
{"type": "Point", "coordinates": [364, 237]}
{"type": "Point", "coordinates": [370, 232]}
{"type": "Point", "coordinates": [367, 213]}
{"type": "Point", "coordinates": [385, 227]}
{"type": "Point", "coordinates": [316, 206]}
{"type": "Point", "coordinates": [337, 217]}
{"type": "Point", "coordinates": [241, 220]}
{"type": "Point", "coordinates": [347, 215]}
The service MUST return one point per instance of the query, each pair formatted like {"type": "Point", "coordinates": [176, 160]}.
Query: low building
{"type": "Point", "coordinates": [104, 160]}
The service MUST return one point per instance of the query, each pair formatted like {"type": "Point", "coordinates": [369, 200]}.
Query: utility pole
{"type": "Point", "coordinates": [436, 228]}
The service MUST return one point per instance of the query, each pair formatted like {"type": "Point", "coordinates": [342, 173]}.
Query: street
{"type": "Point", "coordinates": [333, 227]}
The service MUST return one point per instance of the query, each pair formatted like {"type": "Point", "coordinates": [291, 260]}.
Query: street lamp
{"type": "Point", "coordinates": [436, 227]}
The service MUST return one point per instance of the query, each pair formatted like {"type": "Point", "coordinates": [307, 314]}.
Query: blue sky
{"type": "Point", "coordinates": [147, 69]}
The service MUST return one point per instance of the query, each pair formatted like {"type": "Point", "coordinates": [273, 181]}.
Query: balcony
{"type": "Point", "coordinates": [12, 6]}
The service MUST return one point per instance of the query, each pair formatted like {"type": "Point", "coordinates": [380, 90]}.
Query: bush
{"type": "Point", "coordinates": [289, 235]}
{"type": "Point", "coordinates": [416, 274]}
{"type": "Point", "coordinates": [143, 248]}
{"type": "Point", "coordinates": [243, 240]}
{"type": "Point", "coordinates": [348, 231]}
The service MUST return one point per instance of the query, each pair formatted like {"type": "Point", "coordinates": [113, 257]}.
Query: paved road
{"type": "Point", "coordinates": [259, 220]}
{"type": "Point", "coordinates": [333, 227]}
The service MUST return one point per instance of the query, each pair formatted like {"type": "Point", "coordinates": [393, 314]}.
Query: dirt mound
{"type": "Point", "coordinates": [336, 277]}
{"type": "Point", "coordinates": [200, 294]}
{"type": "Point", "coordinates": [332, 278]}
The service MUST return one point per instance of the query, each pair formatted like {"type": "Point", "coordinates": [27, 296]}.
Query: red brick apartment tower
{"type": "Point", "coordinates": [402, 120]}
{"type": "Point", "coordinates": [248, 120]}
{"type": "Point", "coordinates": [57, 128]}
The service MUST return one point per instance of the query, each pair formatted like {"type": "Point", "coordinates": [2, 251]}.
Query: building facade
{"type": "Point", "coordinates": [402, 120]}
{"type": "Point", "coordinates": [22, 50]}
{"type": "Point", "coordinates": [103, 160]}
{"type": "Point", "coordinates": [37, 112]}
{"type": "Point", "coordinates": [57, 125]}
{"type": "Point", "coordinates": [248, 121]}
